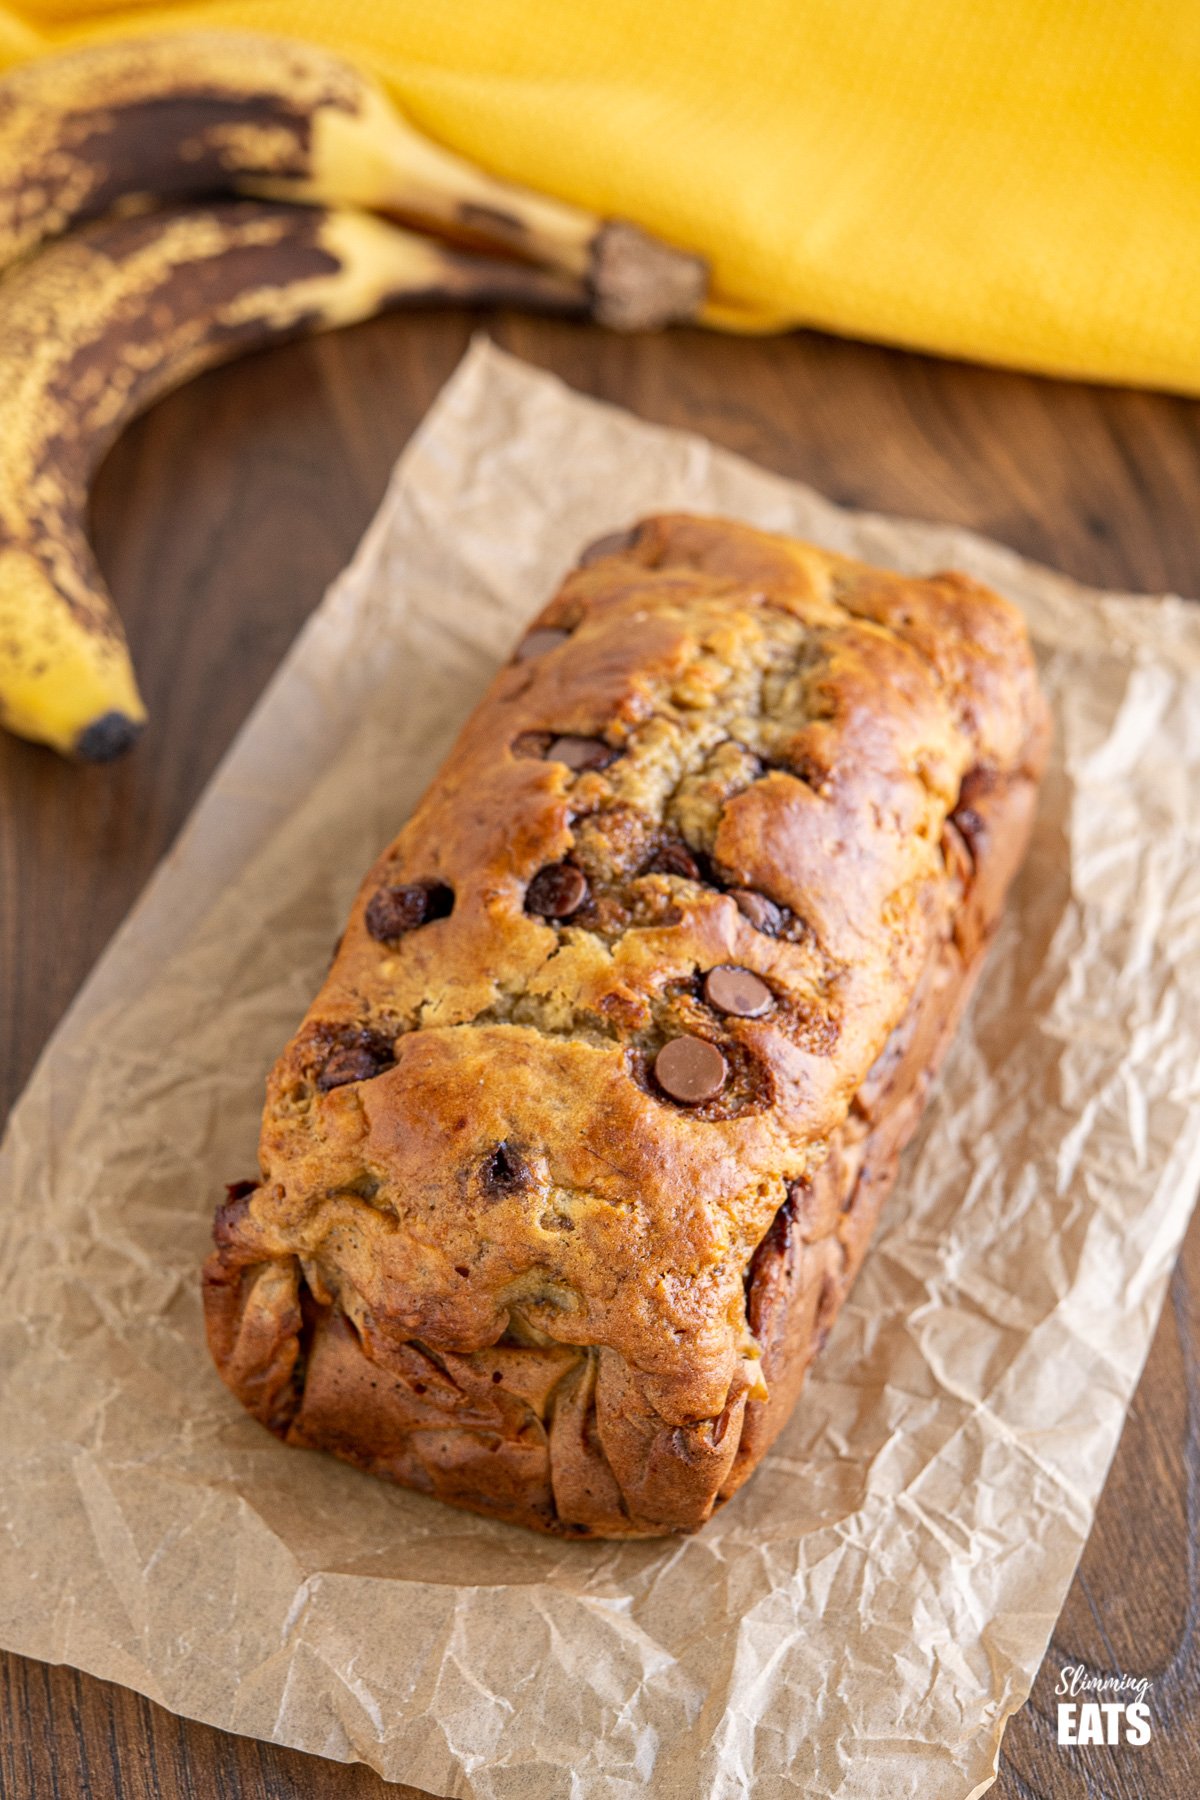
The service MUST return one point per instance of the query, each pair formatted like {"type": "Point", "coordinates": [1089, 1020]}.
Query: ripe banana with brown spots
{"type": "Point", "coordinates": [129, 124]}
{"type": "Point", "coordinates": [98, 325]}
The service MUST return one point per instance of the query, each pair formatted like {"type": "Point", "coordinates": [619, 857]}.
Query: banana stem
{"type": "Point", "coordinates": [377, 161]}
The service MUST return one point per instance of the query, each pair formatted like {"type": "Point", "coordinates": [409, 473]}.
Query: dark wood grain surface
{"type": "Point", "coordinates": [219, 520]}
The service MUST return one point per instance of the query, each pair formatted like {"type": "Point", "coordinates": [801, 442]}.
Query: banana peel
{"type": "Point", "coordinates": [99, 325]}
{"type": "Point", "coordinates": [118, 283]}
{"type": "Point", "coordinates": [140, 121]}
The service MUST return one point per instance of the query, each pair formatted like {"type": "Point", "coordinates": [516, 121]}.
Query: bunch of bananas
{"type": "Point", "coordinates": [169, 203]}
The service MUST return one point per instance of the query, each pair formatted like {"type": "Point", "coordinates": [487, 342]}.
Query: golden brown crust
{"type": "Point", "coordinates": [466, 1155]}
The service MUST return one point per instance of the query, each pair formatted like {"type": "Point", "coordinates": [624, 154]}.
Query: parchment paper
{"type": "Point", "coordinates": [865, 1615]}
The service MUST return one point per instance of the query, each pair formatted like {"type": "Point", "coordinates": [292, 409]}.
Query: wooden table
{"type": "Point", "coordinates": [219, 520]}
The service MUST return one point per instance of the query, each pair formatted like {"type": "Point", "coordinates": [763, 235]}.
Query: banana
{"type": "Point", "coordinates": [102, 322]}
{"type": "Point", "coordinates": [130, 123]}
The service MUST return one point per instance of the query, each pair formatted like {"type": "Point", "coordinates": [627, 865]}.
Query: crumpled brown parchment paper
{"type": "Point", "coordinates": [866, 1614]}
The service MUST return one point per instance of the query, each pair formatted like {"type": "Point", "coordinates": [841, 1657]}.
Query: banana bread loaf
{"type": "Point", "coordinates": [572, 1161]}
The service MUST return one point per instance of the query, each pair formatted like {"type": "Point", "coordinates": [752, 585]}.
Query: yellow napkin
{"type": "Point", "coordinates": [1012, 180]}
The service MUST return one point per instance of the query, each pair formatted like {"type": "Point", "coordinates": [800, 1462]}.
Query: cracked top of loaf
{"type": "Point", "coordinates": [717, 749]}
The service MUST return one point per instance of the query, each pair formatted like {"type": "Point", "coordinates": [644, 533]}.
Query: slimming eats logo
{"type": "Point", "coordinates": [1120, 1716]}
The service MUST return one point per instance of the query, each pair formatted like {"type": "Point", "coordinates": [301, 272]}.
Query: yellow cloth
{"type": "Point", "coordinates": [1012, 180]}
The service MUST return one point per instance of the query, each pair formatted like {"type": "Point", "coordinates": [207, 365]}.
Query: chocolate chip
{"type": "Point", "coordinates": [762, 913]}
{"type": "Point", "coordinates": [359, 1055]}
{"type": "Point", "coordinates": [674, 858]}
{"type": "Point", "coordinates": [556, 891]}
{"type": "Point", "coordinates": [735, 990]}
{"type": "Point", "coordinates": [581, 752]}
{"type": "Point", "coordinates": [532, 743]}
{"type": "Point", "coordinates": [441, 901]}
{"type": "Point", "coordinates": [537, 643]}
{"type": "Point", "coordinates": [391, 911]}
{"type": "Point", "coordinates": [611, 544]}
{"type": "Point", "coordinates": [690, 1070]}
{"type": "Point", "coordinates": [505, 1171]}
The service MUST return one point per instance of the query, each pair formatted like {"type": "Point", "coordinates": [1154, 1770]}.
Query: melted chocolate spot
{"type": "Point", "coordinates": [357, 1054]}
{"type": "Point", "coordinates": [505, 1171]}
{"type": "Point", "coordinates": [556, 891]}
{"type": "Point", "coordinates": [674, 858]}
{"type": "Point", "coordinates": [392, 911]}
{"type": "Point", "coordinates": [581, 753]}
{"type": "Point", "coordinates": [762, 913]}
{"type": "Point", "coordinates": [532, 744]}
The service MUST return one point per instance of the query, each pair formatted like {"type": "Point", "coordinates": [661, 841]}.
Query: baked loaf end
{"type": "Point", "coordinates": [575, 1154]}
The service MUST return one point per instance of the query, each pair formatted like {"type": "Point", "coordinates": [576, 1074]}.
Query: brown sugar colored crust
{"type": "Point", "coordinates": [503, 1248]}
